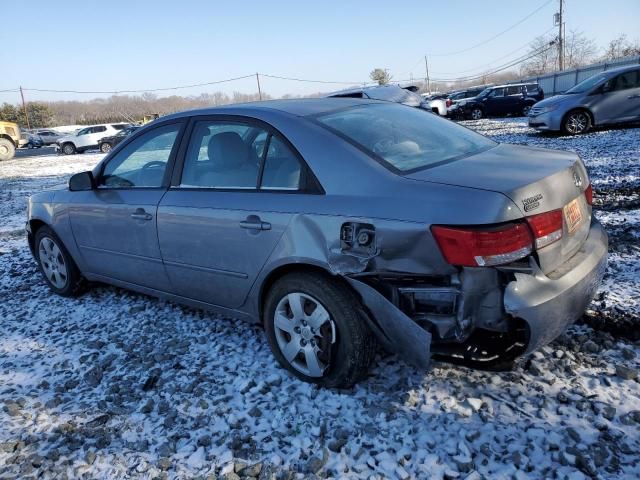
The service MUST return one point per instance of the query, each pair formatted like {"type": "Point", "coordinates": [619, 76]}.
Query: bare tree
{"type": "Point", "coordinates": [579, 50]}
{"type": "Point", "coordinates": [381, 76]}
{"type": "Point", "coordinates": [621, 47]}
{"type": "Point", "coordinates": [543, 57]}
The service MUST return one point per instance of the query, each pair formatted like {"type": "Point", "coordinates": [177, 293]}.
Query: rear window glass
{"type": "Point", "coordinates": [404, 138]}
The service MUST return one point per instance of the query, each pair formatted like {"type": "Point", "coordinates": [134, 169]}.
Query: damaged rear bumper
{"type": "Point", "coordinates": [550, 303]}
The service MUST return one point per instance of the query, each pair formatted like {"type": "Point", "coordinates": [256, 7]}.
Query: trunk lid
{"type": "Point", "coordinates": [537, 180]}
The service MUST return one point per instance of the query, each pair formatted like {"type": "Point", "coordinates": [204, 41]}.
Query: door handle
{"type": "Point", "coordinates": [253, 222]}
{"type": "Point", "coordinates": [140, 214]}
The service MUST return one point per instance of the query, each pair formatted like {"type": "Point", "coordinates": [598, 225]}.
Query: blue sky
{"type": "Point", "coordinates": [117, 45]}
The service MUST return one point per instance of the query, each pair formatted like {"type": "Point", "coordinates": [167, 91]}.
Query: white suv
{"type": "Point", "coordinates": [88, 137]}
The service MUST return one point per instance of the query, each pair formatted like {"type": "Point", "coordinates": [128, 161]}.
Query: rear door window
{"type": "Point", "coordinates": [282, 169]}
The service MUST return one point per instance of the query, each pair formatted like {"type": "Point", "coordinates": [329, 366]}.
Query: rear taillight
{"type": "Point", "coordinates": [546, 227]}
{"type": "Point", "coordinates": [474, 247]}
{"type": "Point", "coordinates": [588, 194]}
{"type": "Point", "coordinates": [449, 102]}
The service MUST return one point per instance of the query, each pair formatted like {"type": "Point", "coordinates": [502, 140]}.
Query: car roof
{"type": "Point", "coordinates": [514, 85]}
{"type": "Point", "coordinates": [615, 71]}
{"type": "Point", "coordinates": [300, 107]}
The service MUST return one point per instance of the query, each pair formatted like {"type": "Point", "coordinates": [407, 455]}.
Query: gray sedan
{"type": "Point", "coordinates": [340, 225]}
{"type": "Point", "coordinates": [607, 98]}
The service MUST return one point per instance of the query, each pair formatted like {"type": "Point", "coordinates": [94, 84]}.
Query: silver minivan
{"type": "Point", "coordinates": [606, 98]}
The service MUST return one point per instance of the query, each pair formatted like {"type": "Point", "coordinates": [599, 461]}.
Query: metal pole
{"type": "Point", "coordinates": [426, 66]}
{"type": "Point", "coordinates": [560, 40]}
{"type": "Point", "coordinates": [259, 90]}
{"type": "Point", "coordinates": [24, 106]}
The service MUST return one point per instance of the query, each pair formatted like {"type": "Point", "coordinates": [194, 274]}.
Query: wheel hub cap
{"type": "Point", "coordinates": [304, 332]}
{"type": "Point", "coordinates": [52, 262]}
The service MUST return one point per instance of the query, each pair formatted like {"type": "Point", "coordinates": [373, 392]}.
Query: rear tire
{"type": "Point", "coordinates": [476, 113]}
{"type": "Point", "coordinates": [105, 147]}
{"type": "Point", "coordinates": [525, 110]}
{"type": "Point", "coordinates": [7, 149]}
{"type": "Point", "coordinates": [68, 149]}
{"type": "Point", "coordinates": [56, 265]}
{"type": "Point", "coordinates": [576, 122]}
{"type": "Point", "coordinates": [335, 347]}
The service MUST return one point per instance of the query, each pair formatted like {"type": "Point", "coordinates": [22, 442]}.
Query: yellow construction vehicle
{"type": "Point", "coordinates": [9, 139]}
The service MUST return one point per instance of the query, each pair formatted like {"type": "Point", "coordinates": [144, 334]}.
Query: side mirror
{"type": "Point", "coordinates": [82, 181]}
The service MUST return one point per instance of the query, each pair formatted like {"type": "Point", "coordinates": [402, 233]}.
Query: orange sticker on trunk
{"type": "Point", "coordinates": [572, 215]}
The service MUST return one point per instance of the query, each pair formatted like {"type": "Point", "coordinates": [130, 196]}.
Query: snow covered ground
{"type": "Point", "coordinates": [119, 385]}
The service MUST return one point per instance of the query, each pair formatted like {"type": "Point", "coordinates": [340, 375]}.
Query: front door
{"type": "Point", "coordinates": [114, 225]}
{"type": "Point", "coordinates": [222, 219]}
{"type": "Point", "coordinates": [619, 99]}
{"type": "Point", "coordinates": [495, 102]}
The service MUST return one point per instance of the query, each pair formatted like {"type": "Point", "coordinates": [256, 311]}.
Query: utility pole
{"type": "Point", "coordinates": [24, 106]}
{"type": "Point", "coordinates": [560, 39]}
{"type": "Point", "coordinates": [426, 66]}
{"type": "Point", "coordinates": [259, 90]}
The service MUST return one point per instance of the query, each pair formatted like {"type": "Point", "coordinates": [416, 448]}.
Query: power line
{"type": "Point", "coordinates": [142, 90]}
{"type": "Point", "coordinates": [505, 66]}
{"type": "Point", "coordinates": [495, 36]}
{"type": "Point", "coordinates": [488, 64]}
{"type": "Point", "coordinates": [510, 64]}
{"type": "Point", "coordinates": [309, 81]}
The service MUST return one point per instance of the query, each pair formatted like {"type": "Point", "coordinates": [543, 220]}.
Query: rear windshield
{"type": "Point", "coordinates": [404, 138]}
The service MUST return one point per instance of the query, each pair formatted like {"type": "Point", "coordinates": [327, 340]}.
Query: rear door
{"type": "Point", "coordinates": [114, 225]}
{"type": "Point", "coordinates": [513, 100]}
{"type": "Point", "coordinates": [227, 208]}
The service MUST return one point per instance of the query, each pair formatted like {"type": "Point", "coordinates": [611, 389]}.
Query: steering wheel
{"type": "Point", "coordinates": [153, 164]}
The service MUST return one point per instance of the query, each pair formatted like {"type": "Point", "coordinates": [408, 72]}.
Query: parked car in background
{"type": "Point", "coordinates": [30, 140]}
{"type": "Point", "coordinates": [609, 97]}
{"type": "Point", "coordinates": [501, 100]}
{"type": "Point", "coordinates": [438, 104]}
{"type": "Point", "coordinates": [335, 222]}
{"type": "Point", "coordinates": [49, 137]}
{"type": "Point", "coordinates": [442, 104]}
{"type": "Point", "coordinates": [9, 139]}
{"type": "Point", "coordinates": [456, 99]}
{"type": "Point", "coordinates": [87, 137]}
{"type": "Point", "coordinates": [387, 93]}
{"type": "Point", "coordinates": [107, 143]}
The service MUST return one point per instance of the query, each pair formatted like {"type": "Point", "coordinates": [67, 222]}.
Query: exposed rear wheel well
{"type": "Point", "coordinates": [283, 270]}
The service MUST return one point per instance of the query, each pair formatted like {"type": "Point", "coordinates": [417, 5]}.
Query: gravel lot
{"type": "Point", "coordinates": [119, 385]}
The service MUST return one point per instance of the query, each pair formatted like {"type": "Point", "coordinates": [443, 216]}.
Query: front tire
{"type": "Point", "coordinates": [576, 122]}
{"type": "Point", "coordinates": [56, 265]}
{"type": "Point", "coordinates": [105, 147]}
{"type": "Point", "coordinates": [316, 330]}
{"type": "Point", "coordinates": [68, 149]}
{"type": "Point", "coordinates": [525, 110]}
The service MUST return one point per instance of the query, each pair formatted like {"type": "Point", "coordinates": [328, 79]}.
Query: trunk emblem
{"type": "Point", "coordinates": [577, 181]}
{"type": "Point", "coordinates": [531, 203]}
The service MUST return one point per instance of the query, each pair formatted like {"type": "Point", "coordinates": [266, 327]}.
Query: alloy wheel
{"type": "Point", "coordinates": [304, 332]}
{"type": "Point", "coordinates": [105, 148]}
{"type": "Point", "coordinates": [68, 149]}
{"type": "Point", "coordinates": [476, 114]}
{"type": "Point", "coordinates": [577, 122]}
{"type": "Point", "coordinates": [52, 262]}
{"type": "Point", "coordinates": [525, 110]}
